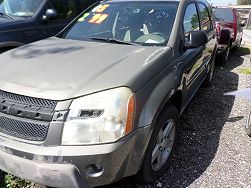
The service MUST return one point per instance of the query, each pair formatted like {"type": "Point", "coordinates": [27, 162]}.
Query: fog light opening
{"type": "Point", "coordinates": [94, 170]}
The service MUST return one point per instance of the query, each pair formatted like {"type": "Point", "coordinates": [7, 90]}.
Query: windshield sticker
{"type": "Point", "coordinates": [81, 19]}
{"type": "Point", "coordinates": [100, 8]}
{"type": "Point", "coordinates": [96, 8]}
{"type": "Point", "coordinates": [98, 18]}
{"type": "Point", "coordinates": [103, 8]}
{"type": "Point", "coordinates": [151, 41]}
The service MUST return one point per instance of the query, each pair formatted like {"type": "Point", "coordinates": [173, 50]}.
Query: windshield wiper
{"type": "Point", "coordinates": [6, 15]}
{"type": "Point", "coordinates": [113, 40]}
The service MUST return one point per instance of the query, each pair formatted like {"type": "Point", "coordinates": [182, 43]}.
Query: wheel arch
{"type": "Point", "coordinates": [173, 98]}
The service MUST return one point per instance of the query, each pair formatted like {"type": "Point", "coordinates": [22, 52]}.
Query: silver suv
{"type": "Point", "coordinates": [102, 100]}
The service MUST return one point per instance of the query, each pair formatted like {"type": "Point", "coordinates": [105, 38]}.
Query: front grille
{"type": "Point", "coordinates": [19, 128]}
{"type": "Point", "coordinates": [24, 100]}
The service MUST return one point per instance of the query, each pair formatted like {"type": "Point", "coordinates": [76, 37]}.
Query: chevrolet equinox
{"type": "Point", "coordinates": [102, 100]}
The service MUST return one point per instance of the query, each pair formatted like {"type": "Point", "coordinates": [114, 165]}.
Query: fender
{"type": "Point", "coordinates": [160, 90]}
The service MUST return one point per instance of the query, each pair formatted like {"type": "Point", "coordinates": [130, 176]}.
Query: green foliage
{"type": "Point", "coordinates": [245, 70]}
{"type": "Point", "coordinates": [14, 182]}
{"type": "Point", "coordinates": [244, 2]}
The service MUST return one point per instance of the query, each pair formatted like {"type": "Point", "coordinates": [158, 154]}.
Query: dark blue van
{"type": "Point", "coordinates": [26, 21]}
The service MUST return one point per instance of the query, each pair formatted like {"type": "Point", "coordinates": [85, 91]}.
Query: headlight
{"type": "Point", "coordinates": [99, 118]}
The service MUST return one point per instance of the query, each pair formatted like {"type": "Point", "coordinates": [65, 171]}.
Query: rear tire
{"type": "Point", "coordinates": [209, 79]}
{"type": "Point", "coordinates": [161, 146]}
{"type": "Point", "coordinates": [239, 44]}
{"type": "Point", "coordinates": [223, 57]}
{"type": "Point", "coordinates": [248, 125]}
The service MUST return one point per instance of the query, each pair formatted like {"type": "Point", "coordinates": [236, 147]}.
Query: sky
{"type": "Point", "coordinates": [222, 2]}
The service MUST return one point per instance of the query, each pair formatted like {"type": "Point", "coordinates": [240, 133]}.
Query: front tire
{"type": "Point", "coordinates": [161, 146]}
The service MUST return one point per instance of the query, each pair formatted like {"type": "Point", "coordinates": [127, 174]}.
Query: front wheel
{"type": "Point", "coordinates": [160, 147]}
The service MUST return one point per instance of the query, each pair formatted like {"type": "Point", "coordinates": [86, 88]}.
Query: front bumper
{"type": "Point", "coordinates": [68, 166]}
{"type": "Point", "coordinates": [55, 175]}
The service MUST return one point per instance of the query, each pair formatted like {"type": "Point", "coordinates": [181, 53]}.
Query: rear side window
{"type": "Point", "coordinates": [205, 18]}
{"type": "Point", "coordinates": [224, 14]}
{"type": "Point", "coordinates": [66, 9]}
{"type": "Point", "coordinates": [191, 19]}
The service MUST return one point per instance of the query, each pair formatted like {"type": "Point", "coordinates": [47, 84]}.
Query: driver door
{"type": "Point", "coordinates": [193, 58]}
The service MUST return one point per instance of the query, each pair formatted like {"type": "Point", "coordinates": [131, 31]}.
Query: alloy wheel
{"type": "Point", "coordinates": [163, 145]}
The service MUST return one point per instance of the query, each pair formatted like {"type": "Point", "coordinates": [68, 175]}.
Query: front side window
{"type": "Point", "coordinates": [191, 19]}
{"type": "Point", "coordinates": [66, 9]}
{"type": "Point", "coordinates": [205, 17]}
{"type": "Point", "coordinates": [145, 23]}
{"type": "Point", "coordinates": [24, 8]}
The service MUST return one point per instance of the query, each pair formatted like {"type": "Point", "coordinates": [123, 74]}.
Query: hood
{"type": "Point", "coordinates": [60, 69]}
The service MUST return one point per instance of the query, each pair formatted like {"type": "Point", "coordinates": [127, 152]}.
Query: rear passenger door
{"type": "Point", "coordinates": [193, 58]}
{"type": "Point", "coordinates": [67, 10]}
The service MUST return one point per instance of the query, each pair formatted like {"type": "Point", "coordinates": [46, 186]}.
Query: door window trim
{"type": "Point", "coordinates": [197, 11]}
{"type": "Point", "coordinates": [200, 17]}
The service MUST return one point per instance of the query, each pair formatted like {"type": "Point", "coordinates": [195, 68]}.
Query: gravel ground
{"type": "Point", "coordinates": [213, 149]}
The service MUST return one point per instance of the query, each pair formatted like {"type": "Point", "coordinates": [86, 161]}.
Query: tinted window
{"type": "Point", "coordinates": [191, 19]}
{"type": "Point", "coordinates": [66, 9]}
{"type": "Point", "coordinates": [138, 22]}
{"type": "Point", "coordinates": [20, 8]}
{"type": "Point", "coordinates": [86, 3]}
{"type": "Point", "coordinates": [205, 18]}
{"type": "Point", "coordinates": [224, 14]}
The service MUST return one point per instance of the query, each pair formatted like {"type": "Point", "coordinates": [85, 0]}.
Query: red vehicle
{"type": "Point", "coordinates": [229, 31]}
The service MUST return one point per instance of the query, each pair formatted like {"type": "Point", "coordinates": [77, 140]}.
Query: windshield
{"type": "Point", "coordinates": [19, 7]}
{"type": "Point", "coordinates": [148, 23]}
{"type": "Point", "coordinates": [223, 14]}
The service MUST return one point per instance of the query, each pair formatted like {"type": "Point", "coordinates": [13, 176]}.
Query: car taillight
{"type": "Point", "coordinates": [218, 29]}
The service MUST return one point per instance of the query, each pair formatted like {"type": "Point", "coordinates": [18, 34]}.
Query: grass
{"type": "Point", "coordinates": [242, 51]}
{"type": "Point", "coordinates": [14, 182]}
{"type": "Point", "coordinates": [10, 181]}
{"type": "Point", "coordinates": [245, 70]}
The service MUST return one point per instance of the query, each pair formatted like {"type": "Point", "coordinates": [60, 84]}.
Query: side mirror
{"type": "Point", "coordinates": [197, 39]}
{"type": "Point", "coordinates": [50, 14]}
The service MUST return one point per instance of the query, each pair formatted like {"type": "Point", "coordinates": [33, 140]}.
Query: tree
{"type": "Point", "coordinates": [244, 2]}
